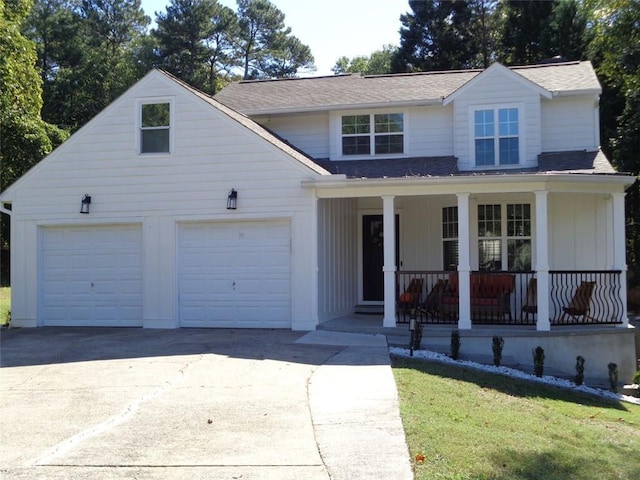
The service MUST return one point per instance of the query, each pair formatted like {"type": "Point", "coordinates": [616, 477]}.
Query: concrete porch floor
{"type": "Point", "coordinates": [599, 345]}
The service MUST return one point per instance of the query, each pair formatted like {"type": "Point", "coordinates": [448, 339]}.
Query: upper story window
{"type": "Point", "coordinates": [496, 136]}
{"type": "Point", "coordinates": [155, 126]}
{"type": "Point", "coordinates": [374, 134]}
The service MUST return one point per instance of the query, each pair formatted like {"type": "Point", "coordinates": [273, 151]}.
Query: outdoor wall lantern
{"type": "Point", "coordinates": [84, 205]}
{"type": "Point", "coordinates": [232, 200]}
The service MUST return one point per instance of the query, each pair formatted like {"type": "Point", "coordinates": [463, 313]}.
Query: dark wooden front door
{"type": "Point", "coordinates": [373, 256]}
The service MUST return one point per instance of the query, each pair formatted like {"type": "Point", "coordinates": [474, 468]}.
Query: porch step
{"type": "Point", "coordinates": [370, 309]}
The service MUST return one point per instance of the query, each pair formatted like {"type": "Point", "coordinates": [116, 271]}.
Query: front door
{"type": "Point", "coordinates": [373, 257]}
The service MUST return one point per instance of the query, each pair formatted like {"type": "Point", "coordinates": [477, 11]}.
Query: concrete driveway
{"type": "Point", "coordinates": [80, 403]}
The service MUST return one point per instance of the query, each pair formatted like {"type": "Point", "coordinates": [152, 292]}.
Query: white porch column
{"type": "Point", "coordinates": [464, 264]}
{"type": "Point", "coordinates": [542, 260]}
{"type": "Point", "coordinates": [620, 251]}
{"type": "Point", "coordinates": [389, 268]}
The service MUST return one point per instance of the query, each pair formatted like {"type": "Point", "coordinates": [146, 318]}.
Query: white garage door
{"type": "Point", "coordinates": [91, 276]}
{"type": "Point", "coordinates": [235, 275]}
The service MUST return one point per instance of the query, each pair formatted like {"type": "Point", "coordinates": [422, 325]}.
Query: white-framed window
{"type": "Point", "coordinates": [450, 238]}
{"type": "Point", "coordinates": [155, 127]}
{"type": "Point", "coordinates": [497, 246]}
{"type": "Point", "coordinates": [496, 136]}
{"type": "Point", "coordinates": [372, 134]}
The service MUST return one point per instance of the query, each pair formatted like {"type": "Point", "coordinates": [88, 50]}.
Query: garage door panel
{"type": "Point", "coordinates": [235, 274]}
{"type": "Point", "coordinates": [92, 276]}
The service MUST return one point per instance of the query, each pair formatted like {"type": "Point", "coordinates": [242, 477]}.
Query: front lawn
{"type": "Point", "coordinates": [5, 303]}
{"type": "Point", "coordinates": [469, 424]}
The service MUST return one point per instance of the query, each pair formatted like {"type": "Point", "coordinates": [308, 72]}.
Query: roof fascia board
{"type": "Point", "coordinates": [489, 71]}
{"type": "Point", "coordinates": [498, 183]}
{"type": "Point", "coordinates": [584, 91]}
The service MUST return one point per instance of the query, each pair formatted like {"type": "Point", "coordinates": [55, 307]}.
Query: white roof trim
{"type": "Point", "coordinates": [506, 71]}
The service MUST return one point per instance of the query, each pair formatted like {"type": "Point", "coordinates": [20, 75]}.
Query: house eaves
{"type": "Point", "coordinates": [351, 187]}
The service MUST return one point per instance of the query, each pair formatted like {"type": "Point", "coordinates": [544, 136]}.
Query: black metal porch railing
{"type": "Point", "coordinates": [586, 297]}
{"type": "Point", "coordinates": [510, 298]}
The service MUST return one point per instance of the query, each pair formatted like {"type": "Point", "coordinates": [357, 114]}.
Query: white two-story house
{"type": "Point", "coordinates": [460, 198]}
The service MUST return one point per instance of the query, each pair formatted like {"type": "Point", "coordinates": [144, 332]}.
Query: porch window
{"type": "Point", "coordinates": [495, 243]}
{"type": "Point", "coordinates": [450, 238]}
{"type": "Point", "coordinates": [155, 124]}
{"type": "Point", "coordinates": [374, 134]}
{"type": "Point", "coordinates": [496, 136]}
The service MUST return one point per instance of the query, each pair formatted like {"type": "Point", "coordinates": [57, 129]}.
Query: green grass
{"type": "Point", "coordinates": [5, 303]}
{"type": "Point", "coordinates": [477, 425]}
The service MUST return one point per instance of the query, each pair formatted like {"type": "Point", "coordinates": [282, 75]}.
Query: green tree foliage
{"type": "Point", "coordinates": [378, 63]}
{"type": "Point", "coordinates": [24, 137]}
{"type": "Point", "coordinates": [436, 35]}
{"type": "Point", "coordinates": [88, 53]}
{"type": "Point", "coordinates": [615, 49]}
{"type": "Point", "coordinates": [523, 31]}
{"type": "Point", "coordinates": [265, 45]}
{"type": "Point", "coordinates": [195, 41]}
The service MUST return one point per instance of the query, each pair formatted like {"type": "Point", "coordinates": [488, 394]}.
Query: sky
{"type": "Point", "coordinates": [331, 28]}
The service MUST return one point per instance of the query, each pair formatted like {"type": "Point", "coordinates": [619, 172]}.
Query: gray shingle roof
{"type": "Point", "coordinates": [558, 162]}
{"type": "Point", "coordinates": [351, 90]}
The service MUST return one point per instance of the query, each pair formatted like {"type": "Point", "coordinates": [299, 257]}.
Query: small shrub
{"type": "Point", "coordinates": [613, 376]}
{"type": "Point", "coordinates": [416, 337]}
{"type": "Point", "coordinates": [636, 377]}
{"type": "Point", "coordinates": [455, 344]}
{"type": "Point", "coordinates": [579, 378]}
{"type": "Point", "coordinates": [538, 361]}
{"type": "Point", "coordinates": [498, 345]}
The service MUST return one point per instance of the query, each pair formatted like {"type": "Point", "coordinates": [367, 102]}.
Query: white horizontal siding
{"type": "Point", "coordinates": [430, 132]}
{"type": "Point", "coordinates": [211, 154]}
{"type": "Point", "coordinates": [569, 123]}
{"type": "Point", "coordinates": [309, 133]}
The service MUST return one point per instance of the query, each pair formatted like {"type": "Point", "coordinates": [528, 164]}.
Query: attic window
{"type": "Point", "coordinates": [155, 127]}
{"type": "Point", "coordinates": [373, 134]}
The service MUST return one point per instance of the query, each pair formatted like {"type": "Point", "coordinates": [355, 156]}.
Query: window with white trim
{"type": "Point", "coordinates": [496, 136]}
{"type": "Point", "coordinates": [497, 246]}
{"type": "Point", "coordinates": [155, 127]}
{"type": "Point", "coordinates": [450, 238]}
{"type": "Point", "coordinates": [373, 134]}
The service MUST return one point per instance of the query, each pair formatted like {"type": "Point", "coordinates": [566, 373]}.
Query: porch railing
{"type": "Point", "coordinates": [586, 297]}
{"type": "Point", "coordinates": [510, 298]}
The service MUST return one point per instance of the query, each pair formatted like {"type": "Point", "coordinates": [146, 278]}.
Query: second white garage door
{"type": "Point", "coordinates": [235, 274]}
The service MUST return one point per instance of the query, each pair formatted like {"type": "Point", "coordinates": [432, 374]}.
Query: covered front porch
{"type": "Point", "coordinates": [542, 251]}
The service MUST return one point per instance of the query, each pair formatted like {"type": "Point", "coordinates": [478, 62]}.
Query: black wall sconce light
{"type": "Point", "coordinates": [232, 200]}
{"type": "Point", "coordinates": [84, 205]}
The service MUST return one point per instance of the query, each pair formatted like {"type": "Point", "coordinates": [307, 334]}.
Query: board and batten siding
{"type": "Point", "coordinates": [337, 257]}
{"type": "Point", "coordinates": [570, 123]}
{"type": "Point", "coordinates": [497, 90]}
{"type": "Point", "coordinates": [211, 154]}
{"type": "Point", "coordinates": [580, 234]}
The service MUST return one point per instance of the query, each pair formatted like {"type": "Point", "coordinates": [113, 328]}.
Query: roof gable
{"type": "Point", "coordinates": [139, 90]}
{"type": "Point", "coordinates": [494, 70]}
